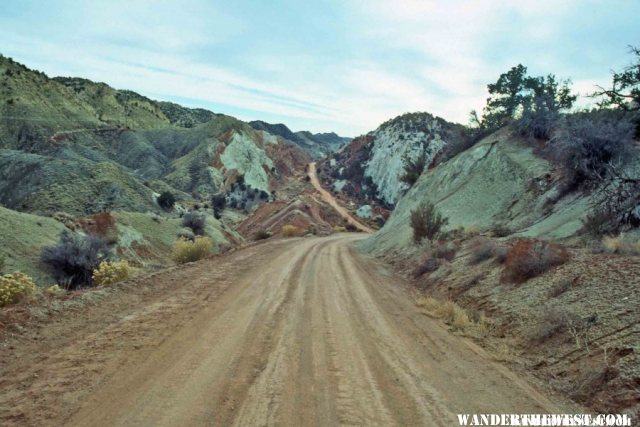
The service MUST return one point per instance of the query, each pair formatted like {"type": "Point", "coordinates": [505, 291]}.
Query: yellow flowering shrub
{"type": "Point", "coordinates": [14, 287]}
{"type": "Point", "coordinates": [109, 273]}
{"type": "Point", "coordinates": [53, 291]}
{"type": "Point", "coordinates": [290, 231]}
{"type": "Point", "coordinates": [185, 250]}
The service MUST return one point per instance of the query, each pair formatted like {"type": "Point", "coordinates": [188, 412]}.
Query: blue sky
{"type": "Point", "coordinates": [344, 66]}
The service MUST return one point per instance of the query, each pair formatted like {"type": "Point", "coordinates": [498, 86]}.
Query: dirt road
{"type": "Point", "coordinates": [328, 197]}
{"type": "Point", "coordinates": [290, 332]}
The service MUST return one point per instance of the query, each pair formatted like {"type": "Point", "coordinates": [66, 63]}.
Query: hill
{"type": "Point", "coordinates": [317, 145]}
{"type": "Point", "coordinates": [70, 144]}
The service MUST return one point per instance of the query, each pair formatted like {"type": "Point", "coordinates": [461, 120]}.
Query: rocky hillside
{"type": "Point", "coordinates": [69, 144]}
{"type": "Point", "coordinates": [317, 145]}
{"type": "Point", "coordinates": [500, 180]}
{"type": "Point", "coordinates": [371, 166]}
{"type": "Point", "coordinates": [546, 293]}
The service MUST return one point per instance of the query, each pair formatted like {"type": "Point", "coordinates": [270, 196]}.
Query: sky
{"type": "Point", "coordinates": [343, 66]}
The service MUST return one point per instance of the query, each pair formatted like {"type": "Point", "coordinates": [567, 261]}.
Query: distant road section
{"type": "Point", "coordinates": [328, 197]}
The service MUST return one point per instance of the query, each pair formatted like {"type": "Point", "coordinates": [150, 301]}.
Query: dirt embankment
{"type": "Point", "coordinates": [575, 326]}
{"type": "Point", "coordinates": [288, 332]}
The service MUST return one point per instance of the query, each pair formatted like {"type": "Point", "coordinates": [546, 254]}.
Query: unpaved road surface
{"type": "Point", "coordinates": [290, 332]}
{"type": "Point", "coordinates": [328, 197]}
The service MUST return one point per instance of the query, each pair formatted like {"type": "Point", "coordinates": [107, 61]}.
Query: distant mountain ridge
{"type": "Point", "coordinates": [70, 144]}
{"type": "Point", "coordinates": [318, 145]}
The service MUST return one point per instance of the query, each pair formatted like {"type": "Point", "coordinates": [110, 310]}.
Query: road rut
{"type": "Point", "coordinates": [315, 334]}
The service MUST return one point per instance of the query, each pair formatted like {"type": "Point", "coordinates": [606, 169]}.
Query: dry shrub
{"type": "Point", "coordinates": [290, 231]}
{"type": "Point", "coordinates": [261, 235]}
{"type": "Point", "coordinates": [529, 258]}
{"type": "Point", "coordinates": [426, 222]}
{"type": "Point", "coordinates": [621, 245]}
{"type": "Point", "coordinates": [451, 313]}
{"type": "Point", "coordinates": [351, 228]}
{"type": "Point", "coordinates": [102, 225]}
{"type": "Point", "coordinates": [552, 322]}
{"type": "Point", "coordinates": [444, 250]}
{"type": "Point", "coordinates": [54, 291]}
{"type": "Point", "coordinates": [500, 253]}
{"type": "Point", "coordinates": [188, 251]}
{"type": "Point", "coordinates": [196, 221]}
{"type": "Point", "coordinates": [339, 229]}
{"type": "Point", "coordinates": [428, 265]}
{"type": "Point", "coordinates": [15, 287]}
{"type": "Point", "coordinates": [501, 230]}
{"type": "Point", "coordinates": [560, 288]}
{"type": "Point", "coordinates": [109, 273]}
{"type": "Point", "coordinates": [471, 231]}
{"type": "Point", "coordinates": [504, 353]}
{"type": "Point", "coordinates": [483, 248]}
{"type": "Point", "coordinates": [73, 259]}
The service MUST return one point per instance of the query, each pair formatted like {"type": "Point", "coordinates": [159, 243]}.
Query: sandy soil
{"type": "Point", "coordinates": [288, 332]}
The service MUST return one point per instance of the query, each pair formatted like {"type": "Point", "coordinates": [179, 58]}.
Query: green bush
{"type": "Point", "coordinates": [166, 200]}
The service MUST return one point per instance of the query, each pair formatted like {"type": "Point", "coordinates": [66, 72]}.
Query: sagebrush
{"type": "Point", "coordinates": [188, 251]}
{"type": "Point", "coordinates": [109, 273]}
{"type": "Point", "coordinates": [290, 230]}
{"type": "Point", "coordinates": [528, 258]}
{"type": "Point", "coordinates": [74, 258]}
{"type": "Point", "coordinates": [15, 287]}
{"type": "Point", "coordinates": [426, 222]}
{"type": "Point", "coordinates": [196, 221]}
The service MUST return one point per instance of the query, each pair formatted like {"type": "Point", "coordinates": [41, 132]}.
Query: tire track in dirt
{"type": "Point", "coordinates": [293, 332]}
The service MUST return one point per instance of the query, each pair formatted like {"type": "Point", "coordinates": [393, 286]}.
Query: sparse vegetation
{"type": "Point", "coordinates": [74, 258]}
{"type": "Point", "coordinates": [554, 321]}
{"type": "Point", "coordinates": [426, 222]}
{"type": "Point", "coordinates": [15, 287]}
{"type": "Point", "coordinates": [500, 229]}
{"type": "Point", "coordinates": [559, 288]}
{"type": "Point", "coordinates": [528, 258]}
{"type": "Point", "coordinates": [189, 251]}
{"type": "Point", "coordinates": [109, 273]}
{"type": "Point", "coordinates": [444, 250]}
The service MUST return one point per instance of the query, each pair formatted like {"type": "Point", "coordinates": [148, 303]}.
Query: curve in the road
{"type": "Point", "coordinates": [328, 197]}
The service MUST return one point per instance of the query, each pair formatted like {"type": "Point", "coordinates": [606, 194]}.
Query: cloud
{"type": "Point", "coordinates": [322, 66]}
